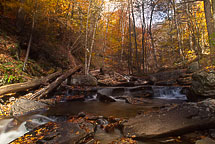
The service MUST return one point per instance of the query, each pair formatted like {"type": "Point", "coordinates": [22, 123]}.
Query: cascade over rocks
{"type": "Point", "coordinates": [176, 120]}
{"type": "Point", "coordinates": [203, 86]}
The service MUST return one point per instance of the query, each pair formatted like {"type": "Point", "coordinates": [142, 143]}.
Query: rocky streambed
{"type": "Point", "coordinates": [143, 114]}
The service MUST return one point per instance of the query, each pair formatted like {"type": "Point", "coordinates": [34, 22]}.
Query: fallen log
{"type": "Point", "coordinates": [54, 84]}
{"type": "Point", "coordinates": [11, 88]}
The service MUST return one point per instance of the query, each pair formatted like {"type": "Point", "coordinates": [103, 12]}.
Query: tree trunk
{"type": "Point", "coordinates": [91, 47]}
{"type": "Point", "coordinates": [210, 28]}
{"type": "Point", "coordinates": [151, 36]}
{"type": "Point", "coordinates": [143, 35]}
{"type": "Point", "coordinates": [31, 37]}
{"type": "Point", "coordinates": [86, 39]}
{"type": "Point", "coordinates": [135, 37]}
{"type": "Point", "coordinates": [130, 59]}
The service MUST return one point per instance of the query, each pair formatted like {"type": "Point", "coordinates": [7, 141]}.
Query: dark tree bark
{"type": "Point", "coordinates": [143, 35]}
{"type": "Point", "coordinates": [150, 33]}
{"type": "Point", "coordinates": [31, 36]}
{"type": "Point", "coordinates": [130, 59]}
{"type": "Point", "coordinates": [210, 27]}
{"type": "Point", "coordinates": [135, 37]}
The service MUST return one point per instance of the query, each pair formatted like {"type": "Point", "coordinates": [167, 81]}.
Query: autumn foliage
{"type": "Point", "coordinates": [128, 35]}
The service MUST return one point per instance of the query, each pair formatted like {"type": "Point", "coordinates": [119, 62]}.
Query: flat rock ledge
{"type": "Point", "coordinates": [24, 106]}
{"type": "Point", "coordinates": [175, 120]}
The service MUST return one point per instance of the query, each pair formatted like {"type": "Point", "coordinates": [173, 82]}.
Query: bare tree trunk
{"type": "Point", "coordinates": [104, 44]}
{"type": "Point", "coordinates": [151, 36]}
{"type": "Point", "coordinates": [94, 36]}
{"type": "Point", "coordinates": [143, 35]}
{"type": "Point", "coordinates": [91, 47]}
{"type": "Point", "coordinates": [177, 28]}
{"type": "Point", "coordinates": [135, 37]}
{"type": "Point", "coordinates": [31, 36]}
{"type": "Point", "coordinates": [210, 28]}
{"type": "Point", "coordinates": [86, 38]}
{"type": "Point", "coordinates": [123, 38]}
{"type": "Point", "coordinates": [130, 59]}
{"type": "Point", "coordinates": [105, 37]}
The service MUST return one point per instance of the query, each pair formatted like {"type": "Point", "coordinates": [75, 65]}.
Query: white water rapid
{"type": "Point", "coordinates": [10, 129]}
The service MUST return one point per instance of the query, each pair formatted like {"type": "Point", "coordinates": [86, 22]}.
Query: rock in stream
{"type": "Point", "coordinates": [25, 106]}
{"type": "Point", "coordinates": [72, 131]}
{"type": "Point", "coordinates": [176, 120]}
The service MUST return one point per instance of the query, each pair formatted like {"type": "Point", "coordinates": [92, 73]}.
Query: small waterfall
{"type": "Point", "coordinates": [10, 131]}
{"type": "Point", "coordinates": [8, 136]}
{"type": "Point", "coordinates": [164, 92]}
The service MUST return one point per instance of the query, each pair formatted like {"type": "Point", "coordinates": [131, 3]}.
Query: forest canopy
{"type": "Point", "coordinates": [142, 35]}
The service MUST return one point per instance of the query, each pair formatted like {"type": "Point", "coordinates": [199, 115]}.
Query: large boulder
{"type": "Point", "coordinates": [193, 67]}
{"type": "Point", "coordinates": [166, 77]}
{"type": "Point", "coordinates": [86, 80]}
{"type": "Point", "coordinates": [25, 106]}
{"type": "Point", "coordinates": [175, 120]}
{"type": "Point", "coordinates": [203, 86]}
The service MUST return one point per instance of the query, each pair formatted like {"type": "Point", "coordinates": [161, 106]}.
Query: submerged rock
{"type": "Point", "coordinates": [25, 106]}
{"type": "Point", "coordinates": [176, 120]}
{"type": "Point", "coordinates": [105, 98]}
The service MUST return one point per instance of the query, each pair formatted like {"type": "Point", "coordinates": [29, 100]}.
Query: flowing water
{"type": "Point", "coordinates": [11, 129]}
{"type": "Point", "coordinates": [168, 93]}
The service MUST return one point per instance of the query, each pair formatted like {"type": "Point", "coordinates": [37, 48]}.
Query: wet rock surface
{"type": "Point", "coordinates": [205, 141]}
{"type": "Point", "coordinates": [105, 98]}
{"type": "Point", "coordinates": [71, 132]}
{"type": "Point", "coordinates": [193, 67]}
{"type": "Point", "coordinates": [23, 106]}
{"type": "Point", "coordinates": [84, 80]}
{"type": "Point", "coordinates": [166, 77]}
{"type": "Point", "coordinates": [175, 120]}
{"type": "Point", "coordinates": [203, 86]}
{"type": "Point", "coordinates": [185, 79]}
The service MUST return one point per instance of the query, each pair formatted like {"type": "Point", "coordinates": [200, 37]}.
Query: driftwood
{"type": "Point", "coordinates": [54, 84]}
{"type": "Point", "coordinates": [29, 84]}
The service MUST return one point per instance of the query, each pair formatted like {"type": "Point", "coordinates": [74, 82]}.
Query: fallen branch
{"type": "Point", "coordinates": [54, 84]}
{"type": "Point", "coordinates": [29, 84]}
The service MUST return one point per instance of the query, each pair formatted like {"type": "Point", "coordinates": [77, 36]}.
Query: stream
{"type": "Point", "coordinates": [11, 129]}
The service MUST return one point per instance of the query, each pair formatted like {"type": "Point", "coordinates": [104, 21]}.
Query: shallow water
{"type": "Point", "coordinates": [119, 109]}
{"type": "Point", "coordinates": [116, 109]}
